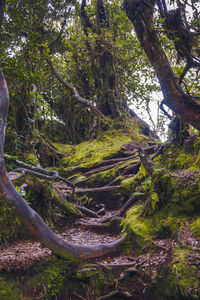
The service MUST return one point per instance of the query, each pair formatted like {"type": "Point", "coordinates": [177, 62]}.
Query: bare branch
{"type": "Point", "coordinates": [73, 90]}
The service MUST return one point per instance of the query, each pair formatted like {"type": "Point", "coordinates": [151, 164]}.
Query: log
{"type": "Point", "coordinates": [27, 215]}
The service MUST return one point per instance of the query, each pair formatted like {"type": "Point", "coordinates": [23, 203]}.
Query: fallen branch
{"type": "Point", "coordinates": [87, 211]}
{"type": "Point", "coordinates": [93, 225]}
{"type": "Point", "coordinates": [27, 215]}
{"type": "Point", "coordinates": [100, 189]}
{"type": "Point", "coordinates": [111, 294]}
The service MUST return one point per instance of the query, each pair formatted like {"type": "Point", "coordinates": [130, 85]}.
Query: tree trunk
{"type": "Point", "coordinates": [141, 15]}
{"type": "Point", "coordinates": [102, 62]}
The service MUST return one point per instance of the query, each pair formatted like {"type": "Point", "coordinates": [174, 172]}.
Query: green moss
{"type": "Point", "coordinates": [185, 274]}
{"type": "Point", "coordinates": [195, 227]}
{"type": "Point", "coordinates": [46, 280]}
{"type": "Point", "coordinates": [104, 146]}
{"type": "Point", "coordinates": [31, 159]}
{"type": "Point", "coordinates": [10, 226]}
{"type": "Point", "coordinates": [102, 178]}
{"type": "Point", "coordinates": [178, 279]}
{"type": "Point", "coordinates": [97, 279]}
{"type": "Point", "coordinates": [130, 185]}
{"type": "Point", "coordinates": [9, 289]}
{"type": "Point", "coordinates": [140, 226]}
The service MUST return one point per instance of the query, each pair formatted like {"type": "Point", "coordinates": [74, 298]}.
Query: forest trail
{"type": "Point", "coordinates": [133, 271]}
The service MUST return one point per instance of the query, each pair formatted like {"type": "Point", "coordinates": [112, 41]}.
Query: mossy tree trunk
{"type": "Point", "coordinates": [141, 15]}
{"type": "Point", "coordinates": [102, 61]}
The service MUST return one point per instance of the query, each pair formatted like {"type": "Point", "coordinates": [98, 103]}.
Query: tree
{"type": "Point", "coordinates": [185, 105]}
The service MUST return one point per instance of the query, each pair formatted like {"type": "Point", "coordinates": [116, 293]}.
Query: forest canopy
{"type": "Point", "coordinates": [93, 48]}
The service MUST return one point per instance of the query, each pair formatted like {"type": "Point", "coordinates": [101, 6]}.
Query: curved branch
{"type": "Point", "coordinates": [73, 90]}
{"type": "Point", "coordinates": [27, 215]}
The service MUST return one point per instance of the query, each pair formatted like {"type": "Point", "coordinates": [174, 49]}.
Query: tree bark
{"type": "Point", "coordinates": [27, 215]}
{"type": "Point", "coordinates": [141, 15]}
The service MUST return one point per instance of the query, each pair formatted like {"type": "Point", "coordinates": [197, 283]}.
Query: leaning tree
{"type": "Point", "coordinates": [185, 37]}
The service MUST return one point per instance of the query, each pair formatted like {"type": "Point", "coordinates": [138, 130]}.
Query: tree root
{"type": "Point", "coordinates": [87, 211]}
{"type": "Point", "coordinates": [100, 189]}
{"type": "Point", "coordinates": [123, 209]}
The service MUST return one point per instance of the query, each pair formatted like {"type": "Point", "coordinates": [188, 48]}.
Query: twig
{"type": "Point", "coordinates": [79, 296]}
{"type": "Point", "coordinates": [111, 294]}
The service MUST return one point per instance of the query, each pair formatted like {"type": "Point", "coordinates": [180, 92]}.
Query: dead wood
{"type": "Point", "coordinates": [147, 163]}
{"type": "Point", "coordinates": [53, 175]}
{"type": "Point", "coordinates": [27, 215]}
{"type": "Point", "coordinates": [112, 160]}
{"type": "Point", "coordinates": [111, 294]}
{"type": "Point", "coordinates": [93, 225]}
{"type": "Point", "coordinates": [101, 211]}
{"type": "Point", "coordinates": [100, 189]}
{"type": "Point", "coordinates": [38, 171]}
{"type": "Point", "coordinates": [87, 211]}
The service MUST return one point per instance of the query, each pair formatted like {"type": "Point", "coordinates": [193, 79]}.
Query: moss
{"type": "Point", "coordinates": [130, 185]}
{"type": "Point", "coordinates": [185, 274]}
{"type": "Point", "coordinates": [10, 226]}
{"type": "Point", "coordinates": [98, 280]}
{"type": "Point", "coordinates": [102, 178]}
{"type": "Point", "coordinates": [107, 144]}
{"type": "Point", "coordinates": [178, 279]}
{"type": "Point", "coordinates": [104, 146]}
{"type": "Point", "coordinates": [65, 205]}
{"type": "Point", "coordinates": [43, 198]}
{"type": "Point", "coordinates": [142, 227]}
{"type": "Point", "coordinates": [45, 280]}
{"type": "Point", "coordinates": [31, 159]}
{"type": "Point", "coordinates": [195, 227]}
{"type": "Point", "coordinates": [9, 289]}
